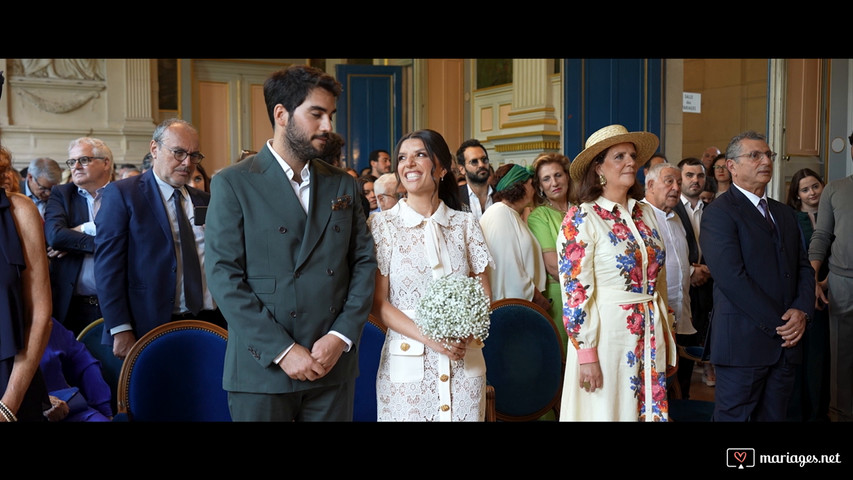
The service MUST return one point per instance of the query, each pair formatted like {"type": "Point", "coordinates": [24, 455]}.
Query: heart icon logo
{"type": "Point", "coordinates": [740, 456]}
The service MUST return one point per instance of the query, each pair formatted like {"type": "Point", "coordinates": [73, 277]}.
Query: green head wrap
{"type": "Point", "coordinates": [515, 174]}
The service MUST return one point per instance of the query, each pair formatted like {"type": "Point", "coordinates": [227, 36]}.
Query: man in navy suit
{"type": "Point", "coordinates": [138, 249]}
{"type": "Point", "coordinates": [764, 289]}
{"type": "Point", "coordinates": [69, 227]}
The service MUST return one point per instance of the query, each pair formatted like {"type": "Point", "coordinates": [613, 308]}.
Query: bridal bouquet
{"type": "Point", "coordinates": [455, 306]}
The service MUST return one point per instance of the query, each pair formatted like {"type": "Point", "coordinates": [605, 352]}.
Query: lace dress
{"type": "Point", "coordinates": [614, 290]}
{"type": "Point", "coordinates": [415, 383]}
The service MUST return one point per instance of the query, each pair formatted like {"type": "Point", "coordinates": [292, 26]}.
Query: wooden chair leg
{"type": "Point", "coordinates": [491, 415]}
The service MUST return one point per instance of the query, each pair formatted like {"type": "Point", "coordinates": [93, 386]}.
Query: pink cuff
{"type": "Point", "coordinates": [587, 355]}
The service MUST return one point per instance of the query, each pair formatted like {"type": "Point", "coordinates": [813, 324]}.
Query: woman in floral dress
{"type": "Point", "coordinates": [424, 237]}
{"type": "Point", "coordinates": [611, 261]}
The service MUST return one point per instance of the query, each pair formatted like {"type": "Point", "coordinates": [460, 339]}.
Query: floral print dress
{"type": "Point", "coordinates": [613, 286]}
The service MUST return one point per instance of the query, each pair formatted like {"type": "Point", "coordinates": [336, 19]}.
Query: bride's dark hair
{"type": "Point", "coordinates": [436, 147]}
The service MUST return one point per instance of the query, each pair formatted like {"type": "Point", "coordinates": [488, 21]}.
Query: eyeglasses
{"type": "Point", "coordinates": [722, 167]}
{"type": "Point", "coordinates": [42, 187]}
{"type": "Point", "coordinates": [477, 161]}
{"type": "Point", "coordinates": [756, 155]}
{"type": "Point", "coordinates": [83, 161]}
{"type": "Point", "coordinates": [396, 196]}
{"type": "Point", "coordinates": [180, 155]}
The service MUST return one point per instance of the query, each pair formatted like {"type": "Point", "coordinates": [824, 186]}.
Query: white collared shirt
{"type": "Point", "coordinates": [677, 268]}
{"type": "Point", "coordinates": [302, 190]}
{"type": "Point", "coordinates": [474, 202]}
{"type": "Point", "coordinates": [754, 199]}
{"type": "Point", "coordinates": [86, 284]}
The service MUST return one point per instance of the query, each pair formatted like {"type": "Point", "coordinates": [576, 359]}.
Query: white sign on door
{"type": "Point", "coordinates": [692, 102]}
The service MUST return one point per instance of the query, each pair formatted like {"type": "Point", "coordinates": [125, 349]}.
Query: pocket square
{"type": "Point", "coordinates": [341, 202]}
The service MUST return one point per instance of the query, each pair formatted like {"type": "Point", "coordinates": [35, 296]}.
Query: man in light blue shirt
{"type": "Point", "coordinates": [70, 233]}
{"type": "Point", "coordinates": [42, 175]}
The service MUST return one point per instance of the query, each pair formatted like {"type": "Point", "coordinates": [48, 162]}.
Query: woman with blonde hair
{"type": "Point", "coordinates": [611, 260]}
{"type": "Point", "coordinates": [553, 188]}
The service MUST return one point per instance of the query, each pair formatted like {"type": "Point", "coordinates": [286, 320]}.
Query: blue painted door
{"type": "Point", "coordinates": [605, 91]}
{"type": "Point", "coordinates": [369, 110]}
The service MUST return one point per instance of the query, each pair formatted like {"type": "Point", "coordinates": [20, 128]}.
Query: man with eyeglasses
{"type": "Point", "coordinates": [70, 231]}
{"type": "Point", "coordinates": [764, 289]}
{"type": "Point", "coordinates": [476, 194]}
{"type": "Point", "coordinates": [387, 191]}
{"type": "Point", "coordinates": [150, 248]}
{"type": "Point", "coordinates": [42, 175]}
{"type": "Point", "coordinates": [832, 243]}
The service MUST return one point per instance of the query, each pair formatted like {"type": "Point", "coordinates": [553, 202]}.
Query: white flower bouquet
{"type": "Point", "coordinates": [454, 307]}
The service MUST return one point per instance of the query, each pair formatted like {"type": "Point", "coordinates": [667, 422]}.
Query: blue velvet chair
{"type": "Point", "coordinates": [174, 374]}
{"type": "Point", "coordinates": [525, 361]}
{"type": "Point", "coordinates": [110, 364]}
{"type": "Point", "coordinates": [369, 351]}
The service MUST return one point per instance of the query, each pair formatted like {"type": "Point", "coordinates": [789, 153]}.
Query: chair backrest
{"type": "Point", "coordinates": [525, 360]}
{"type": "Point", "coordinates": [369, 351]}
{"type": "Point", "coordinates": [110, 364]}
{"type": "Point", "coordinates": [174, 373]}
{"type": "Point", "coordinates": [681, 409]}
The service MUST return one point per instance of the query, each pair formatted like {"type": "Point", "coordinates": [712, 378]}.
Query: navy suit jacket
{"type": "Point", "coordinates": [65, 210]}
{"type": "Point", "coordinates": [135, 256]}
{"type": "Point", "coordinates": [758, 276]}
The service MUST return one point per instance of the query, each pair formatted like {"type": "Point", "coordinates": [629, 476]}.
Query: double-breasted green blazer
{"type": "Point", "coordinates": [280, 275]}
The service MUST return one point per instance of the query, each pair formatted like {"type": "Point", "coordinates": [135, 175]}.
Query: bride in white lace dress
{"type": "Point", "coordinates": [426, 236]}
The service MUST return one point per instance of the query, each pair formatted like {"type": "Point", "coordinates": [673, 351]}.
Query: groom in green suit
{"type": "Point", "coordinates": [290, 263]}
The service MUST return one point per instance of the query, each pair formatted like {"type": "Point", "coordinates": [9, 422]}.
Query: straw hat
{"type": "Point", "coordinates": [646, 144]}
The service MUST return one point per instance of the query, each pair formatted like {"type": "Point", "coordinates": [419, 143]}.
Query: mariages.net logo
{"type": "Point", "coordinates": [742, 458]}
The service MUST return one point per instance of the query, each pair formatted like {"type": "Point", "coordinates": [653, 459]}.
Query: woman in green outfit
{"type": "Point", "coordinates": [554, 195]}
